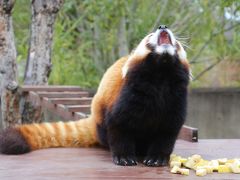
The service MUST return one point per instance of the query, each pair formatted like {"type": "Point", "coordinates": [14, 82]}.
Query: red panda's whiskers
{"type": "Point", "coordinates": [187, 46]}
{"type": "Point", "coordinates": [182, 37]}
{"type": "Point", "coordinates": [184, 44]}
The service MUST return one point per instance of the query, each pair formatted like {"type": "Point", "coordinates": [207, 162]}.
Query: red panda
{"type": "Point", "coordinates": [138, 110]}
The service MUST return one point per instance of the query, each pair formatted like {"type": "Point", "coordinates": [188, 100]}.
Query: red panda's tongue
{"type": "Point", "coordinates": [164, 38]}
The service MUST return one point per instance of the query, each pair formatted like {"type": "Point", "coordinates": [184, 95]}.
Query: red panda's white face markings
{"type": "Point", "coordinates": [161, 42]}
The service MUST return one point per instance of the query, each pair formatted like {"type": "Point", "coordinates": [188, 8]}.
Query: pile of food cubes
{"type": "Point", "coordinates": [202, 167]}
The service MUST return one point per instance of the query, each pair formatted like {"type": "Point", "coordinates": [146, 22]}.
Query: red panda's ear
{"type": "Point", "coordinates": [181, 52]}
{"type": "Point", "coordinates": [183, 57]}
{"type": "Point", "coordinates": [137, 55]}
{"type": "Point", "coordinates": [142, 49]}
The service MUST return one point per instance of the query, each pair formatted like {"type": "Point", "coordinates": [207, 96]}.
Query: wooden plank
{"type": "Point", "coordinates": [96, 163]}
{"type": "Point", "coordinates": [79, 115]}
{"type": "Point", "coordinates": [33, 98]}
{"type": "Point", "coordinates": [51, 88]}
{"type": "Point", "coordinates": [79, 108]}
{"type": "Point", "coordinates": [59, 110]}
{"type": "Point", "coordinates": [71, 101]}
{"type": "Point", "coordinates": [188, 133]}
{"type": "Point", "coordinates": [63, 94]}
{"type": "Point", "coordinates": [45, 104]}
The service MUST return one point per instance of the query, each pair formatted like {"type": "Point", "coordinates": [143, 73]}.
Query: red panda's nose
{"type": "Point", "coordinates": [162, 27]}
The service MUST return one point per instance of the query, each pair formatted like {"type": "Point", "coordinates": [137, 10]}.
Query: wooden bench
{"type": "Point", "coordinates": [73, 103]}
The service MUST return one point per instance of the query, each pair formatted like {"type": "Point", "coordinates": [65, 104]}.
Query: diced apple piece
{"type": "Point", "coordinates": [175, 158]}
{"type": "Point", "coordinates": [230, 160]}
{"type": "Point", "coordinates": [235, 166]}
{"type": "Point", "coordinates": [208, 168]}
{"type": "Point", "coordinates": [222, 161]}
{"type": "Point", "coordinates": [189, 163]}
{"type": "Point", "coordinates": [214, 164]}
{"type": "Point", "coordinates": [201, 172]}
{"type": "Point", "coordinates": [175, 163]}
{"type": "Point", "coordinates": [224, 169]}
{"type": "Point", "coordinates": [184, 171]}
{"type": "Point", "coordinates": [202, 162]}
{"type": "Point", "coordinates": [175, 169]}
{"type": "Point", "coordinates": [196, 157]}
{"type": "Point", "coordinates": [172, 156]}
{"type": "Point", "coordinates": [183, 160]}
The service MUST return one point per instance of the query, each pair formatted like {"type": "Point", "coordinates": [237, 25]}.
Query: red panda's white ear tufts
{"type": "Point", "coordinates": [139, 53]}
{"type": "Point", "coordinates": [142, 50]}
{"type": "Point", "coordinates": [181, 52]}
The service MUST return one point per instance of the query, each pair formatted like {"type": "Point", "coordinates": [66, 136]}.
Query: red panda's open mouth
{"type": "Point", "coordinates": [164, 38]}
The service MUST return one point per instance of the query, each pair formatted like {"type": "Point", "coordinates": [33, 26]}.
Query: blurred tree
{"type": "Point", "coordinates": [8, 68]}
{"type": "Point", "coordinates": [38, 65]}
{"type": "Point", "coordinates": [90, 35]}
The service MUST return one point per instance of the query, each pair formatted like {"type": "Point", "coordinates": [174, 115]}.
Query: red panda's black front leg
{"type": "Point", "coordinates": [122, 146]}
{"type": "Point", "coordinates": [159, 151]}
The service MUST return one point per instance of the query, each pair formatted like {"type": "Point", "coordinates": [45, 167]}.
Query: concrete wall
{"type": "Point", "coordinates": [216, 112]}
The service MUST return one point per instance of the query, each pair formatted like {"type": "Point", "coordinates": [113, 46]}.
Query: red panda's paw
{"type": "Point", "coordinates": [13, 142]}
{"type": "Point", "coordinates": [156, 161]}
{"type": "Point", "coordinates": [125, 160]}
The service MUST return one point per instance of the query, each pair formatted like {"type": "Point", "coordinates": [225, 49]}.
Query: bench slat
{"type": "Point", "coordinates": [63, 94]}
{"type": "Point", "coordinates": [71, 101]}
{"type": "Point", "coordinates": [79, 108]}
{"type": "Point", "coordinates": [27, 88]}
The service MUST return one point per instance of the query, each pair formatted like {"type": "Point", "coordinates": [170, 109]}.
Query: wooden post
{"type": "Point", "coordinates": [38, 67]}
{"type": "Point", "coordinates": [8, 67]}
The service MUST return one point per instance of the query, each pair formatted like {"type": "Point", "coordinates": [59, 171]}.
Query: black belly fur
{"type": "Point", "coordinates": [149, 113]}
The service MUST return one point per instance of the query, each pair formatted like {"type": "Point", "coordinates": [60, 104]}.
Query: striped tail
{"type": "Point", "coordinates": [25, 138]}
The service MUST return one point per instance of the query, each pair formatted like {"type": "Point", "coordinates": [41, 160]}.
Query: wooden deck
{"type": "Point", "coordinates": [95, 163]}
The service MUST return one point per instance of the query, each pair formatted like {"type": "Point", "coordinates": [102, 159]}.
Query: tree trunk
{"type": "Point", "coordinates": [122, 38]}
{"type": "Point", "coordinates": [8, 67]}
{"type": "Point", "coordinates": [39, 65]}
{"type": "Point", "coordinates": [97, 56]}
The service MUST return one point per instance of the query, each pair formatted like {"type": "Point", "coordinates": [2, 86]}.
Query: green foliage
{"type": "Point", "coordinates": [86, 34]}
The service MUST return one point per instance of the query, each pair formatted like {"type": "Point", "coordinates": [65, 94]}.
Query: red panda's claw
{"type": "Point", "coordinates": [124, 160]}
{"type": "Point", "coordinates": [155, 162]}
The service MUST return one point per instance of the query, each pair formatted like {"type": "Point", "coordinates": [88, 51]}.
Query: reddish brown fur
{"type": "Point", "coordinates": [108, 90]}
